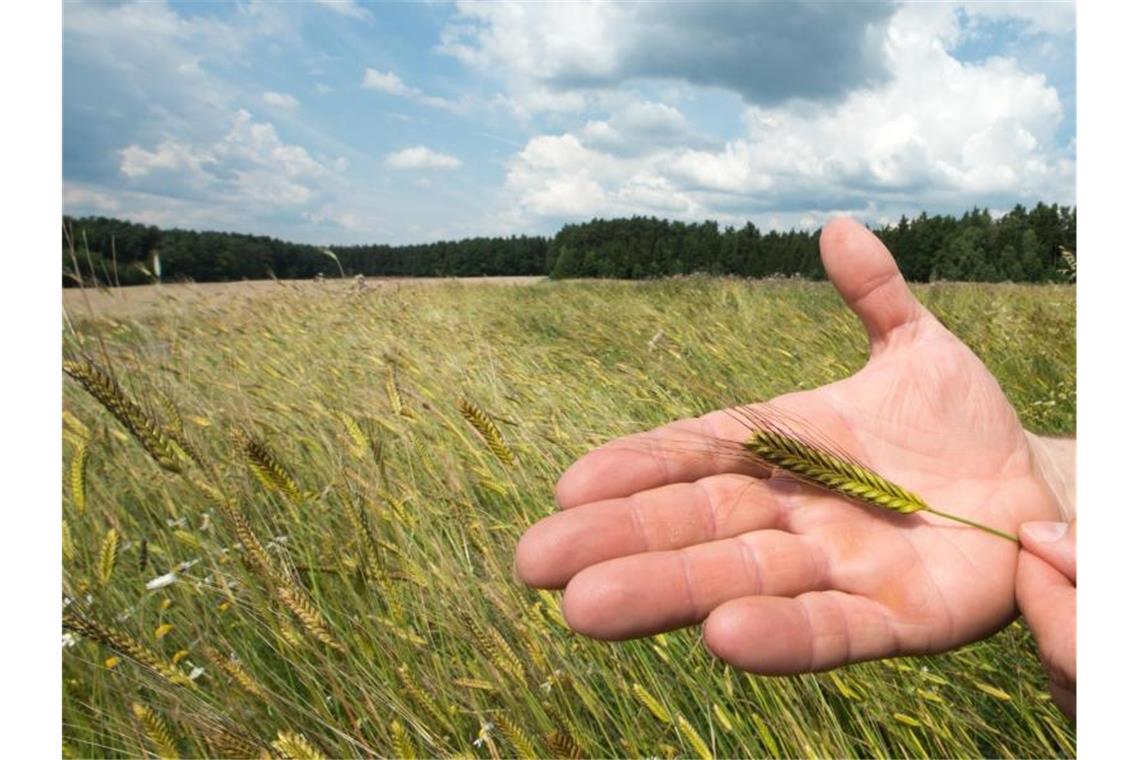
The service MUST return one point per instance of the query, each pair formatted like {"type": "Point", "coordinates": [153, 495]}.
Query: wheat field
{"type": "Point", "coordinates": [289, 522]}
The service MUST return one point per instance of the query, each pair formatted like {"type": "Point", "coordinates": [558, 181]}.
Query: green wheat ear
{"type": "Point", "coordinates": [842, 475]}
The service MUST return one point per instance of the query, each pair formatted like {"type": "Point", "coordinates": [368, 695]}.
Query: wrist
{"type": "Point", "coordinates": [1055, 461]}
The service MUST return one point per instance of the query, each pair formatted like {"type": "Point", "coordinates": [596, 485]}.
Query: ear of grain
{"type": "Point", "coordinates": [360, 444]}
{"type": "Point", "coordinates": [156, 730]}
{"type": "Point", "coordinates": [309, 616]}
{"type": "Point", "coordinates": [395, 398]}
{"type": "Point", "coordinates": [108, 553]}
{"type": "Point", "coordinates": [820, 463]}
{"type": "Point", "coordinates": [294, 746]}
{"type": "Point", "coordinates": [561, 745]}
{"type": "Point", "coordinates": [655, 708]}
{"type": "Point", "coordinates": [516, 737]}
{"type": "Point", "coordinates": [79, 475]}
{"type": "Point", "coordinates": [268, 470]}
{"type": "Point", "coordinates": [487, 430]}
{"type": "Point", "coordinates": [68, 543]}
{"type": "Point", "coordinates": [108, 393]}
{"type": "Point", "coordinates": [402, 744]}
{"type": "Point", "coordinates": [494, 647]}
{"type": "Point", "coordinates": [695, 740]}
{"type": "Point", "coordinates": [232, 741]}
{"type": "Point", "coordinates": [237, 672]}
{"type": "Point", "coordinates": [420, 697]}
{"type": "Point", "coordinates": [256, 554]}
{"type": "Point", "coordinates": [124, 645]}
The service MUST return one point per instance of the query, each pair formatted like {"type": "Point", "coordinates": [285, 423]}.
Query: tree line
{"type": "Point", "coordinates": [1024, 245]}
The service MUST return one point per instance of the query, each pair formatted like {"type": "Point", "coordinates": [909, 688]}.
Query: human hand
{"type": "Point", "coordinates": [654, 536]}
{"type": "Point", "coordinates": [1047, 597]}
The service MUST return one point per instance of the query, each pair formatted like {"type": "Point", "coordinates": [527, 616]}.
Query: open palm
{"type": "Point", "coordinates": [654, 536]}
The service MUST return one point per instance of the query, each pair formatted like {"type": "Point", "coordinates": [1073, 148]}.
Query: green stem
{"type": "Point", "coordinates": [986, 528]}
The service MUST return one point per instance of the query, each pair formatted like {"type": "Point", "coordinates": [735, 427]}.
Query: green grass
{"type": "Point", "coordinates": [404, 538]}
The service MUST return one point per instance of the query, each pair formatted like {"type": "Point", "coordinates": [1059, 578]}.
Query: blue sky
{"type": "Point", "coordinates": [346, 122]}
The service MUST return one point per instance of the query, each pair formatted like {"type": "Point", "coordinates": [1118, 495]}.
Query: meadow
{"type": "Point", "coordinates": [288, 529]}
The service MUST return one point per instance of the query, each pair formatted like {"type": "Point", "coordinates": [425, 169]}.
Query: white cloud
{"type": "Point", "coordinates": [348, 8]}
{"type": "Point", "coordinates": [388, 82]}
{"type": "Point", "coordinates": [79, 197]}
{"type": "Point", "coordinates": [1040, 18]}
{"type": "Point", "coordinates": [421, 157]}
{"type": "Point", "coordinates": [280, 100]}
{"type": "Point", "coordinates": [937, 134]}
{"type": "Point", "coordinates": [250, 165]}
{"type": "Point", "coordinates": [170, 155]}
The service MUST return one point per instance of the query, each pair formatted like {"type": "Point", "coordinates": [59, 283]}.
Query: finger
{"type": "Point", "coordinates": [661, 591]}
{"type": "Point", "coordinates": [680, 452]}
{"type": "Point", "coordinates": [818, 630]}
{"type": "Point", "coordinates": [556, 548]}
{"type": "Point", "coordinates": [1048, 600]}
{"type": "Point", "coordinates": [866, 276]}
{"type": "Point", "coordinates": [1054, 542]}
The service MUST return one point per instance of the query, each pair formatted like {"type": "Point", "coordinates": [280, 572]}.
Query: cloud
{"type": "Point", "coordinates": [348, 8]}
{"type": "Point", "coordinates": [170, 155]}
{"type": "Point", "coordinates": [641, 127]}
{"type": "Point", "coordinates": [1037, 17]}
{"type": "Point", "coordinates": [280, 100]}
{"type": "Point", "coordinates": [765, 52]}
{"type": "Point", "coordinates": [250, 165]}
{"type": "Point", "coordinates": [388, 82]}
{"type": "Point", "coordinates": [936, 134]}
{"type": "Point", "coordinates": [76, 196]}
{"type": "Point", "coordinates": [421, 157]}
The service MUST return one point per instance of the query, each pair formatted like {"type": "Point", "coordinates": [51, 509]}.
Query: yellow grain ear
{"type": "Point", "coordinates": [822, 464]}
{"type": "Point", "coordinates": [145, 429]}
{"type": "Point", "coordinates": [487, 430]}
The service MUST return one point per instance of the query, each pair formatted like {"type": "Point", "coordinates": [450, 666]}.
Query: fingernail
{"type": "Point", "coordinates": [1045, 532]}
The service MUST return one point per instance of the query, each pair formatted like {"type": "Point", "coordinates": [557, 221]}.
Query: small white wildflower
{"type": "Point", "coordinates": [161, 581]}
{"type": "Point", "coordinates": [485, 728]}
{"type": "Point", "coordinates": [69, 639]}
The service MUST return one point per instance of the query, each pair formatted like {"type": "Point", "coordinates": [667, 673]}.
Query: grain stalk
{"type": "Point", "coordinates": [826, 467]}
{"type": "Point", "coordinates": [79, 475]}
{"type": "Point", "coordinates": [293, 597]}
{"type": "Point", "coordinates": [108, 393]}
{"type": "Point", "coordinates": [268, 470]}
{"type": "Point", "coordinates": [235, 670]}
{"type": "Point", "coordinates": [291, 745]}
{"type": "Point", "coordinates": [156, 730]}
{"type": "Point", "coordinates": [487, 430]}
{"type": "Point", "coordinates": [108, 553]}
{"type": "Point", "coordinates": [402, 744]}
{"type": "Point", "coordinates": [124, 645]}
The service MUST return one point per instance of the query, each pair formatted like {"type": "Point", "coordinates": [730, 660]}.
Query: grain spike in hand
{"type": "Point", "coordinates": [825, 466]}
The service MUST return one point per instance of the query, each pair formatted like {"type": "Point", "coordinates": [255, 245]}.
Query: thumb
{"type": "Point", "coordinates": [1054, 542]}
{"type": "Point", "coordinates": [866, 276]}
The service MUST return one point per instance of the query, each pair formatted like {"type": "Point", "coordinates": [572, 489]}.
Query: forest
{"type": "Point", "coordinates": [1022, 245]}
